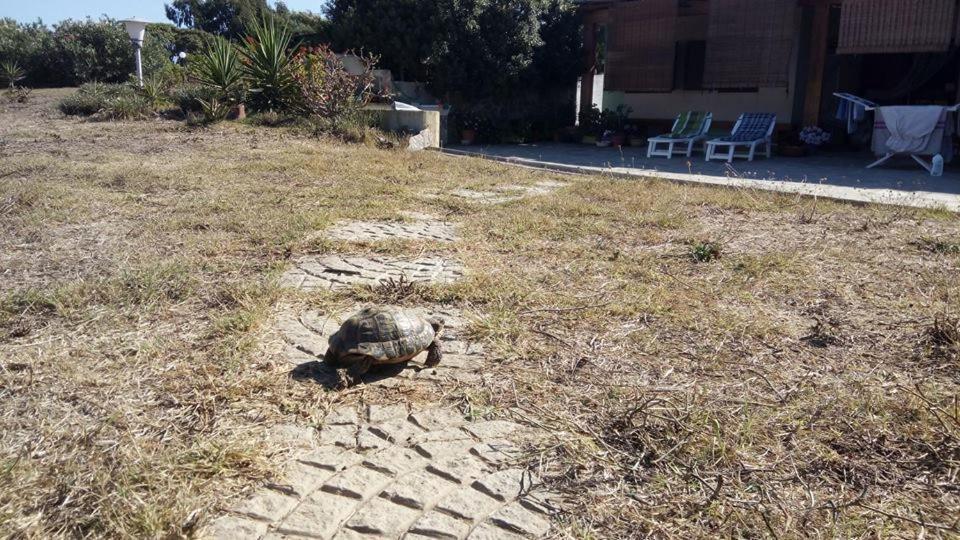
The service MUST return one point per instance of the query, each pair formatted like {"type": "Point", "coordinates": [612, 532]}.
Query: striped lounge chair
{"type": "Point", "coordinates": [751, 130]}
{"type": "Point", "coordinates": [688, 129]}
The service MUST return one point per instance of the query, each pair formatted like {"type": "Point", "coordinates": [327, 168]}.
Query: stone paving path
{"type": "Point", "coordinates": [389, 472]}
{"type": "Point", "coordinates": [369, 231]}
{"type": "Point", "coordinates": [392, 471]}
{"type": "Point", "coordinates": [342, 271]}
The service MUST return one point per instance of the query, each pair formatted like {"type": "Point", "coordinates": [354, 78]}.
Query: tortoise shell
{"type": "Point", "coordinates": [387, 334]}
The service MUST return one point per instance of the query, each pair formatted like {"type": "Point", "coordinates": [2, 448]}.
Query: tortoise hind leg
{"type": "Point", "coordinates": [434, 354]}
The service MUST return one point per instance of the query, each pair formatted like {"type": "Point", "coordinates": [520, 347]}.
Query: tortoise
{"type": "Point", "coordinates": [382, 335]}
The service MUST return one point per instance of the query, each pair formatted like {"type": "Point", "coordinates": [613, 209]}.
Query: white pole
{"type": "Point", "coordinates": [139, 65]}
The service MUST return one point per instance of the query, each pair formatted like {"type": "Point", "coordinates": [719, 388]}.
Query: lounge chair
{"type": "Point", "coordinates": [689, 128]}
{"type": "Point", "coordinates": [751, 130]}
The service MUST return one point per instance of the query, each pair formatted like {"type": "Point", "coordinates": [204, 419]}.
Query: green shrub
{"type": "Point", "coordinates": [327, 89]}
{"type": "Point", "coordinates": [11, 73]}
{"type": "Point", "coordinates": [702, 252]}
{"type": "Point", "coordinates": [214, 110]}
{"type": "Point", "coordinates": [189, 97]}
{"type": "Point", "coordinates": [126, 106]}
{"type": "Point", "coordinates": [270, 119]}
{"type": "Point", "coordinates": [219, 67]}
{"type": "Point", "coordinates": [268, 67]}
{"type": "Point", "coordinates": [90, 99]}
{"type": "Point", "coordinates": [107, 101]}
{"type": "Point", "coordinates": [74, 52]}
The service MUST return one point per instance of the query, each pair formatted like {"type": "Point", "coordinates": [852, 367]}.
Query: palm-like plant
{"type": "Point", "coordinates": [12, 73]}
{"type": "Point", "coordinates": [268, 66]}
{"type": "Point", "coordinates": [220, 67]}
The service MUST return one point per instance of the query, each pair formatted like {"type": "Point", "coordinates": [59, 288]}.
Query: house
{"type": "Point", "coordinates": [788, 57]}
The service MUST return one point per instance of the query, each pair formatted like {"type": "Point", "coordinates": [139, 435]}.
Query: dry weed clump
{"type": "Point", "coordinates": [941, 340]}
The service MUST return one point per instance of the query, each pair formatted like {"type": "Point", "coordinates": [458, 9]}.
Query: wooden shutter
{"type": "Point", "coordinates": [749, 43]}
{"type": "Point", "coordinates": [896, 26]}
{"type": "Point", "coordinates": [640, 50]}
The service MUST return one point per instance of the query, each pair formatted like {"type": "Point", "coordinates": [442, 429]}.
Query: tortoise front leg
{"type": "Point", "coordinates": [434, 354]}
{"type": "Point", "coordinates": [353, 374]}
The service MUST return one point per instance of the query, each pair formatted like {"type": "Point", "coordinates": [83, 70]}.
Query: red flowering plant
{"type": "Point", "coordinates": [328, 89]}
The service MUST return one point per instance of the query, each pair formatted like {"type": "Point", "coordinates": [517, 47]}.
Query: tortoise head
{"type": "Point", "coordinates": [437, 323]}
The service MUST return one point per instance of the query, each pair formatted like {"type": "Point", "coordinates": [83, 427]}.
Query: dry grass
{"type": "Point", "coordinates": [804, 383]}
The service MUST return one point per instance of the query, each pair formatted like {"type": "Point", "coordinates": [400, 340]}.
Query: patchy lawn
{"type": "Point", "coordinates": [708, 361]}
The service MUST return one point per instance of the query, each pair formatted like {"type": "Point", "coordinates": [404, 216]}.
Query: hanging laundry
{"type": "Point", "coordinates": [852, 110]}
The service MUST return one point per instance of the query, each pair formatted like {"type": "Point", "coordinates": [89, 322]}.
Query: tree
{"type": "Point", "coordinates": [226, 18]}
{"type": "Point", "coordinates": [465, 49]}
{"type": "Point", "coordinates": [403, 33]}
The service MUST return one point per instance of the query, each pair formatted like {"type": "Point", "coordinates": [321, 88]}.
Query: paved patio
{"type": "Point", "coordinates": [840, 176]}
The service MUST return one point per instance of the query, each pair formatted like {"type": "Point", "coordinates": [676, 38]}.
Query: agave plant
{"type": "Point", "coordinates": [219, 67]}
{"type": "Point", "coordinates": [12, 73]}
{"type": "Point", "coordinates": [268, 66]}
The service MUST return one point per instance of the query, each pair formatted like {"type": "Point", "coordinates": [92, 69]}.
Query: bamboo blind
{"type": "Point", "coordinates": [896, 26]}
{"type": "Point", "coordinates": [749, 43]}
{"type": "Point", "coordinates": [640, 52]}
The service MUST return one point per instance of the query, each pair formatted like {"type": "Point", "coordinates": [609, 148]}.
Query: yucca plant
{"type": "Point", "coordinates": [12, 73]}
{"type": "Point", "coordinates": [220, 67]}
{"type": "Point", "coordinates": [213, 110]}
{"type": "Point", "coordinates": [268, 66]}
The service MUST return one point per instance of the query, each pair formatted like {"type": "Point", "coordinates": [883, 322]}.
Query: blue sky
{"type": "Point", "coordinates": [52, 11]}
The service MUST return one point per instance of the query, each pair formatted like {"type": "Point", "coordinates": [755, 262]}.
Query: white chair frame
{"type": "Point", "coordinates": [677, 145]}
{"type": "Point", "coordinates": [752, 146]}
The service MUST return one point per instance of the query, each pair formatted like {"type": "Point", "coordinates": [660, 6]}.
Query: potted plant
{"type": "Point", "coordinates": [614, 126]}
{"type": "Point", "coordinates": [813, 137]}
{"type": "Point", "coordinates": [469, 126]}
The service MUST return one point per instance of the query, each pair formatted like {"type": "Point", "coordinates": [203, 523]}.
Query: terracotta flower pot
{"type": "Point", "coordinates": [238, 112]}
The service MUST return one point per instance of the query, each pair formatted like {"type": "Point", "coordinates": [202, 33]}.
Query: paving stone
{"type": "Point", "coordinates": [319, 516]}
{"type": "Point", "coordinates": [491, 429]}
{"type": "Point", "coordinates": [382, 517]}
{"type": "Point", "coordinates": [485, 197]}
{"type": "Point", "coordinates": [357, 482]}
{"type": "Point", "coordinates": [338, 272]}
{"type": "Point", "coordinates": [461, 469]}
{"type": "Point", "coordinates": [395, 461]}
{"type": "Point", "coordinates": [296, 333]}
{"type": "Point", "coordinates": [266, 505]}
{"type": "Point", "coordinates": [369, 231]}
{"type": "Point", "coordinates": [349, 534]}
{"type": "Point", "coordinates": [504, 485]}
{"type": "Point", "coordinates": [340, 435]}
{"type": "Point", "coordinates": [489, 531]}
{"type": "Point", "coordinates": [417, 490]}
{"type": "Point", "coordinates": [397, 431]}
{"type": "Point", "coordinates": [438, 525]}
{"type": "Point", "coordinates": [368, 440]}
{"type": "Point", "coordinates": [331, 458]}
{"type": "Point", "coordinates": [293, 436]}
{"type": "Point", "coordinates": [342, 416]}
{"type": "Point", "coordinates": [468, 504]}
{"type": "Point", "coordinates": [517, 519]}
{"type": "Point", "coordinates": [233, 528]}
{"type": "Point", "coordinates": [496, 451]}
{"type": "Point", "coordinates": [443, 443]}
{"type": "Point", "coordinates": [436, 419]}
{"type": "Point", "coordinates": [542, 502]}
{"type": "Point", "coordinates": [377, 414]}
{"type": "Point", "coordinates": [301, 479]}
{"type": "Point", "coordinates": [445, 435]}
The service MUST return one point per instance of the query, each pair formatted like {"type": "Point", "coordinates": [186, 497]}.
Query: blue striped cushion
{"type": "Point", "coordinates": [753, 126]}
